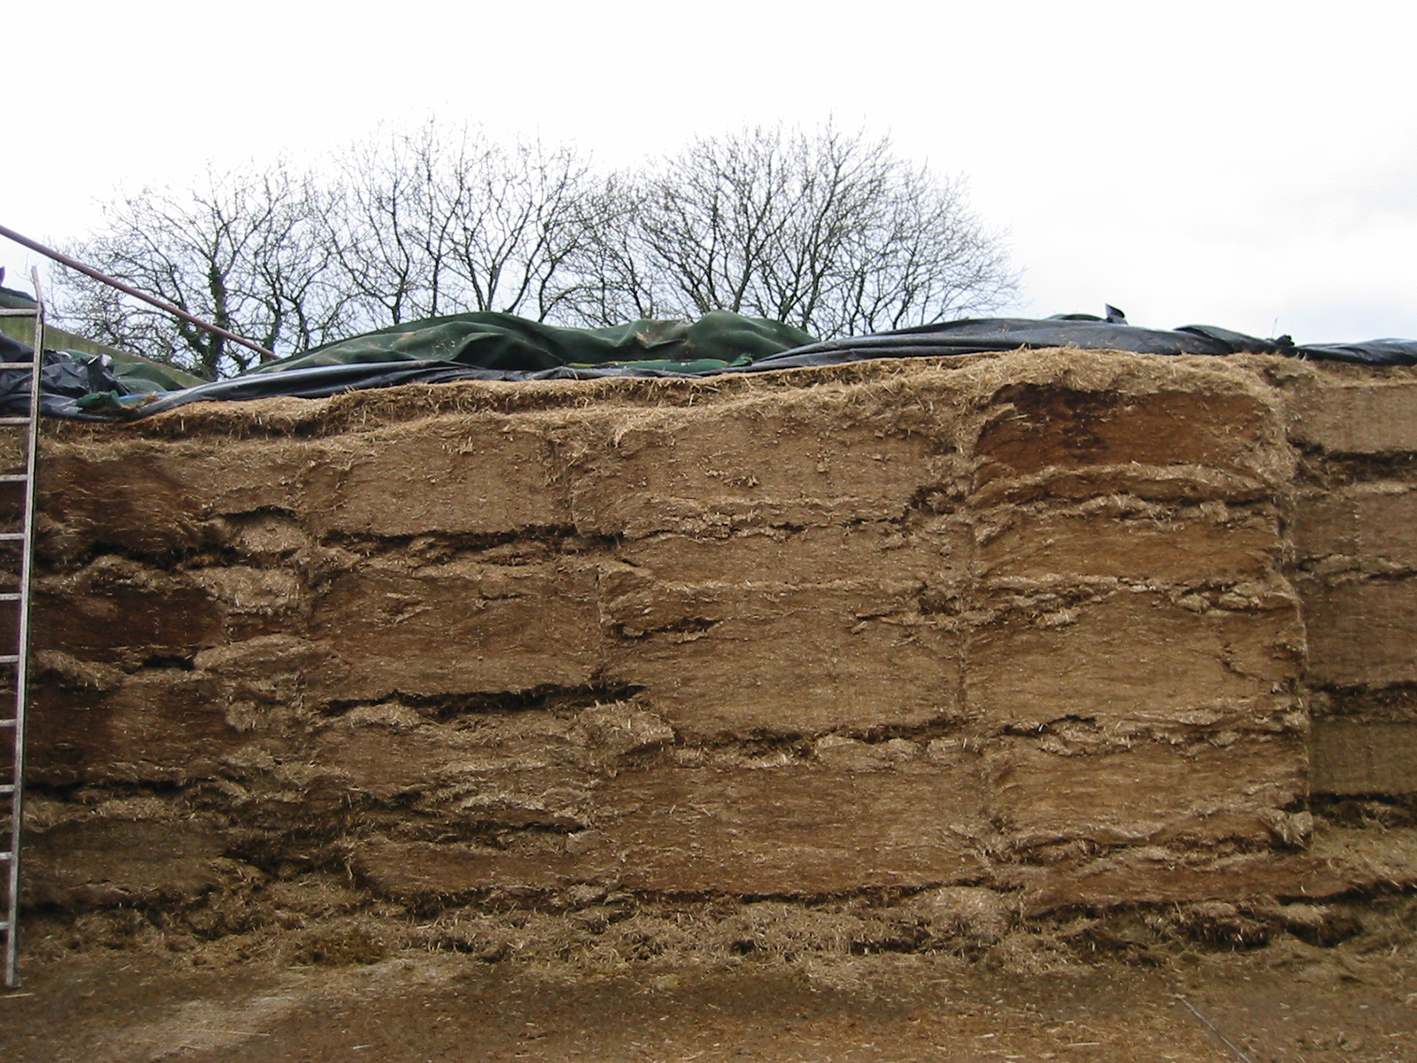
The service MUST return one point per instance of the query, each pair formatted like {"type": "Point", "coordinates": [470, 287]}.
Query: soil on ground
{"type": "Point", "coordinates": [1069, 993]}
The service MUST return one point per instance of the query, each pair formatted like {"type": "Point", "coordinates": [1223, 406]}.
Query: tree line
{"type": "Point", "coordinates": [829, 231]}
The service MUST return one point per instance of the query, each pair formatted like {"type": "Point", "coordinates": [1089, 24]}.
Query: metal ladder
{"type": "Point", "coordinates": [14, 664]}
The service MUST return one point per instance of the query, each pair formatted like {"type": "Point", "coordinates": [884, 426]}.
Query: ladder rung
{"type": "Point", "coordinates": [13, 478]}
{"type": "Point", "coordinates": [7, 789]}
{"type": "Point", "coordinates": [14, 420]}
{"type": "Point", "coordinates": [10, 596]}
{"type": "Point", "coordinates": [11, 537]}
{"type": "Point", "coordinates": [4, 855]}
{"type": "Point", "coordinates": [8, 722]}
{"type": "Point", "coordinates": [17, 365]}
{"type": "Point", "coordinates": [9, 658]}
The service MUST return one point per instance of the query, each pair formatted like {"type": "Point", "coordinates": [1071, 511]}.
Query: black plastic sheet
{"type": "Point", "coordinates": [65, 381]}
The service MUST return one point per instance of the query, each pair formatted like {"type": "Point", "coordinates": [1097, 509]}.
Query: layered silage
{"type": "Point", "coordinates": [1040, 622]}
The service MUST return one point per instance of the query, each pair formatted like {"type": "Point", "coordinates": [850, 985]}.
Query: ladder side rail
{"type": "Point", "coordinates": [17, 797]}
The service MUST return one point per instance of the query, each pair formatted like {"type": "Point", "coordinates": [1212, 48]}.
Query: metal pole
{"type": "Point", "coordinates": [161, 304]}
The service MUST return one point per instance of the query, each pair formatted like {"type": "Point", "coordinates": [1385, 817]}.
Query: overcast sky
{"type": "Point", "coordinates": [1249, 165]}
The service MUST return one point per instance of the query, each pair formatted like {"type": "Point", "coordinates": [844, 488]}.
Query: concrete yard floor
{"type": "Point", "coordinates": [1288, 1002]}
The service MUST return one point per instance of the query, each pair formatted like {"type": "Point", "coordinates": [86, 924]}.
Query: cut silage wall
{"type": "Point", "coordinates": [1035, 621]}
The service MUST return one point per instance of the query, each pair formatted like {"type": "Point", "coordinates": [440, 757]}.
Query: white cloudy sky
{"type": "Point", "coordinates": [1245, 164]}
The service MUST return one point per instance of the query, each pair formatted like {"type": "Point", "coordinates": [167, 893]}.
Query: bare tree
{"type": "Point", "coordinates": [241, 250]}
{"type": "Point", "coordinates": [412, 225]}
{"type": "Point", "coordinates": [526, 215]}
{"type": "Point", "coordinates": [438, 221]}
{"type": "Point", "coordinates": [391, 235]}
{"type": "Point", "coordinates": [828, 231]}
{"type": "Point", "coordinates": [293, 268]}
{"type": "Point", "coordinates": [616, 279]}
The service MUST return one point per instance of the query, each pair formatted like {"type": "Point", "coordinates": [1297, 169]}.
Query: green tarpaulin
{"type": "Point", "coordinates": [505, 342]}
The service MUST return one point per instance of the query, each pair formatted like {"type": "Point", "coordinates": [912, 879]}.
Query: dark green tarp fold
{"type": "Point", "coordinates": [505, 342]}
